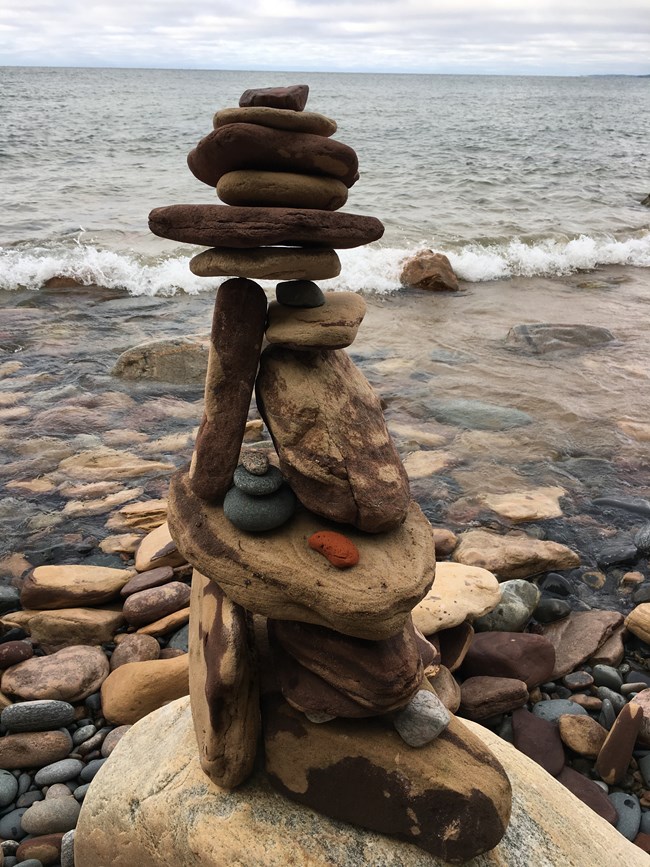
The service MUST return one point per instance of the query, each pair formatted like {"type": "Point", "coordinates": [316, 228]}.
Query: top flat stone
{"type": "Point", "coordinates": [245, 227]}
{"type": "Point", "coordinates": [277, 118]}
{"type": "Point", "coordinates": [293, 97]}
{"type": "Point", "coordinates": [279, 576]}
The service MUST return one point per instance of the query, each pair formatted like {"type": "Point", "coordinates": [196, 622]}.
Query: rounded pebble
{"type": "Point", "coordinates": [80, 792]}
{"type": "Point", "coordinates": [605, 675]}
{"type": "Point", "coordinates": [180, 639]}
{"type": "Point", "coordinates": [13, 652]}
{"type": "Point", "coordinates": [554, 709]}
{"type": "Point", "coordinates": [422, 720]}
{"type": "Point", "coordinates": [549, 610]}
{"type": "Point", "coordinates": [629, 813]}
{"type": "Point", "coordinates": [616, 699]}
{"type": "Point", "coordinates": [255, 461]}
{"type": "Point", "coordinates": [258, 485]}
{"type": "Point", "coordinates": [257, 514]}
{"type": "Point", "coordinates": [11, 825]}
{"type": "Point", "coordinates": [30, 862]}
{"type": "Point", "coordinates": [642, 540]}
{"type": "Point", "coordinates": [607, 716]}
{"type": "Point", "coordinates": [8, 788]}
{"type": "Point", "coordinates": [578, 680]}
{"type": "Point", "coordinates": [24, 782]}
{"type": "Point", "coordinates": [58, 790]}
{"type": "Point", "coordinates": [50, 817]}
{"type": "Point", "coordinates": [83, 734]}
{"type": "Point", "coordinates": [67, 849]}
{"type": "Point", "coordinates": [59, 772]}
{"type": "Point", "coordinates": [299, 293]}
{"type": "Point", "coordinates": [37, 716]}
{"type": "Point", "coordinates": [112, 740]}
{"type": "Point", "coordinates": [90, 770]}
{"type": "Point", "coordinates": [29, 798]}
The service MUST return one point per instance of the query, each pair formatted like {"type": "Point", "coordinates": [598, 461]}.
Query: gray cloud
{"type": "Point", "coordinates": [494, 36]}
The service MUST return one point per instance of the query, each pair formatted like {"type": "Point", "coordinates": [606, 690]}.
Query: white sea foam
{"type": "Point", "coordinates": [367, 269]}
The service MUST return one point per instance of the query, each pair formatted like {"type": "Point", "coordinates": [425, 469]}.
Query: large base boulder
{"type": "Point", "coordinates": [152, 805]}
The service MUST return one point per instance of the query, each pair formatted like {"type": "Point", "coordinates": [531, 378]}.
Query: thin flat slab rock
{"type": "Point", "coordinates": [267, 263]}
{"type": "Point", "coordinates": [243, 228]}
{"type": "Point", "coordinates": [278, 575]}
{"type": "Point", "coordinates": [277, 118]}
{"type": "Point", "coordinates": [293, 97]}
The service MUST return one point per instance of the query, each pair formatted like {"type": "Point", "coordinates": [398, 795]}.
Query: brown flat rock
{"type": "Point", "coordinates": [616, 752]}
{"type": "Point", "coordinates": [277, 118]}
{"type": "Point", "coordinates": [135, 689]}
{"type": "Point", "coordinates": [224, 691]}
{"type": "Point", "coordinates": [145, 580]}
{"type": "Point", "coordinates": [63, 627]}
{"type": "Point", "coordinates": [539, 739]}
{"type": "Point", "coordinates": [458, 593]}
{"type": "Point", "coordinates": [70, 674]}
{"type": "Point", "coordinates": [226, 226]}
{"type": "Point", "coordinates": [169, 623]}
{"type": "Point", "coordinates": [251, 146]}
{"type": "Point", "coordinates": [329, 432]}
{"type": "Point", "coordinates": [589, 793]}
{"type": "Point", "coordinates": [70, 586]}
{"type": "Point", "coordinates": [281, 190]}
{"type": "Point", "coordinates": [582, 734]}
{"type": "Point", "coordinates": [577, 637]}
{"type": "Point", "coordinates": [333, 325]}
{"type": "Point", "coordinates": [146, 515]}
{"type": "Point", "coordinates": [446, 688]}
{"type": "Point", "coordinates": [156, 550]}
{"type": "Point", "coordinates": [276, 573]}
{"type": "Point", "coordinates": [611, 651]}
{"type": "Point", "coordinates": [454, 643]}
{"type": "Point", "coordinates": [267, 263]}
{"type": "Point", "coordinates": [135, 648]}
{"type": "Point", "coordinates": [483, 697]}
{"type": "Point", "coordinates": [149, 605]}
{"type": "Point", "coordinates": [513, 556]}
{"type": "Point", "coordinates": [34, 749]}
{"type": "Point", "coordinates": [526, 657]}
{"type": "Point", "coordinates": [293, 97]}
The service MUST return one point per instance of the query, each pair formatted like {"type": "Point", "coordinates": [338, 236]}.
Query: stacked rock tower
{"type": "Point", "coordinates": [309, 560]}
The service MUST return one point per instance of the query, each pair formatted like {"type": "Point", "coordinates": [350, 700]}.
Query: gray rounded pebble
{"type": "Point", "coordinates": [9, 598]}
{"type": "Point", "coordinates": [257, 514]}
{"type": "Point", "coordinates": [83, 734]}
{"type": "Point", "coordinates": [29, 798]}
{"type": "Point", "coordinates": [607, 715]}
{"type": "Point", "coordinates": [257, 486]}
{"type": "Point", "coordinates": [11, 861]}
{"type": "Point", "coordinates": [644, 767]}
{"type": "Point", "coordinates": [629, 813]}
{"type": "Point", "coordinates": [616, 699]}
{"type": "Point", "coordinates": [606, 675]}
{"type": "Point", "coordinates": [80, 791]}
{"type": "Point", "coordinates": [642, 540]}
{"type": "Point", "coordinates": [30, 862]}
{"type": "Point", "coordinates": [644, 828]}
{"type": "Point", "coordinates": [11, 825]}
{"type": "Point", "coordinates": [94, 702]}
{"type": "Point", "coordinates": [554, 709]}
{"type": "Point", "coordinates": [519, 599]}
{"type": "Point", "coordinates": [422, 720]}
{"type": "Point", "coordinates": [9, 847]}
{"type": "Point", "coordinates": [8, 788]}
{"type": "Point", "coordinates": [549, 610]}
{"type": "Point", "coordinates": [24, 782]}
{"type": "Point", "coordinates": [180, 639]}
{"type": "Point", "coordinates": [67, 849]}
{"type": "Point", "coordinates": [59, 772]}
{"type": "Point", "coordinates": [299, 293]}
{"type": "Point", "coordinates": [51, 817]}
{"type": "Point", "coordinates": [90, 770]}
{"type": "Point", "coordinates": [37, 716]}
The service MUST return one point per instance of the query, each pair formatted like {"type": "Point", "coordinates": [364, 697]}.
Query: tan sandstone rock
{"type": "Point", "coordinates": [459, 592]}
{"type": "Point", "coordinates": [100, 463]}
{"type": "Point", "coordinates": [158, 549]}
{"type": "Point", "coordinates": [278, 575]}
{"type": "Point", "coordinates": [135, 648]}
{"type": "Point", "coordinates": [638, 621]}
{"type": "Point", "coordinates": [63, 627]}
{"type": "Point", "coordinates": [167, 624]}
{"type": "Point", "coordinates": [333, 325]}
{"type": "Point", "coordinates": [68, 586]}
{"type": "Point", "coordinates": [135, 689]}
{"type": "Point", "coordinates": [168, 359]}
{"type": "Point", "coordinates": [536, 504]}
{"type": "Point", "coordinates": [513, 556]}
{"type": "Point", "coordinates": [146, 515]}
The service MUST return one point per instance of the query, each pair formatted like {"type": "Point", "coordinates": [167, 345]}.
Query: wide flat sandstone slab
{"type": "Point", "coordinates": [278, 575]}
{"type": "Point", "coordinates": [152, 805]}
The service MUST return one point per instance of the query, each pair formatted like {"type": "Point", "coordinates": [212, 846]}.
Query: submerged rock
{"type": "Point", "coordinates": [544, 338]}
{"type": "Point", "coordinates": [181, 360]}
{"type": "Point", "coordinates": [429, 270]}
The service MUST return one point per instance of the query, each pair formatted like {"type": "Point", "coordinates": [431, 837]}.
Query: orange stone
{"type": "Point", "coordinates": [335, 547]}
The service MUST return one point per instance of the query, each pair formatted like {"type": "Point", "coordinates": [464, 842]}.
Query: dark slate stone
{"type": "Point", "coordinates": [549, 610]}
{"type": "Point", "coordinates": [618, 551]}
{"type": "Point", "coordinates": [9, 599]}
{"type": "Point", "coordinates": [179, 640]}
{"type": "Point", "coordinates": [37, 716]}
{"type": "Point", "coordinates": [589, 793]}
{"type": "Point", "coordinates": [606, 675]}
{"type": "Point", "coordinates": [556, 584]}
{"type": "Point", "coordinates": [299, 293]}
{"type": "Point", "coordinates": [637, 505]}
{"type": "Point", "coordinates": [607, 715]}
{"type": "Point", "coordinates": [554, 709]}
{"type": "Point", "coordinates": [13, 634]}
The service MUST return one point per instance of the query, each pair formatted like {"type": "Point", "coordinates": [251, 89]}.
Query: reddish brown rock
{"type": "Point", "coordinates": [267, 263]}
{"type": "Point", "coordinates": [589, 793]}
{"type": "Point", "coordinates": [446, 688]}
{"type": "Point", "coordinates": [235, 342]}
{"type": "Point", "coordinates": [293, 97]}
{"type": "Point", "coordinates": [588, 702]}
{"type": "Point", "coordinates": [277, 118]}
{"type": "Point", "coordinates": [483, 697]}
{"type": "Point", "coordinates": [239, 227]}
{"type": "Point", "coordinates": [70, 674]}
{"type": "Point", "coordinates": [146, 580]}
{"type": "Point", "coordinates": [429, 270]}
{"type": "Point", "coordinates": [538, 739]}
{"type": "Point", "coordinates": [616, 752]}
{"type": "Point", "coordinates": [34, 749]}
{"type": "Point", "coordinates": [611, 651]}
{"type": "Point", "coordinates": [577, 637]}
{"type": "Point", "coordinates": [112, 739]}
{"type": "Point", "coordinates": [135, 648]}
{"type": "Point", "coordinates": [240, 146]}
{"type": "Point", "coordinates": [351, 472]}
{"type": "Point", "coordinates": [643, 700]}
{"type": "Point", "coordinates": [149, 605]}
{"type": "Point", "coordinates": [335, 547]}
{"type": "Point", "coordinates": [46, 848]}
{"type": "Point", "coordinates": [454, 644]}
{"type": "Point", "coordinates": [224, 691]}
{"type": "Point", "coordinates": [582, 734]}
{"type": "Point", "coordinates": [376, 675]}
{"type": "Point", "coordinates": [167, 624]}
{"type": "Point", "coordinates": [643, 842]}
{"type": "Point", "coordinates": [281, 190]}
{"type": "Point", "coordinates": [13, 652]}
{"type": "Point", "coordinates": [526, 657]}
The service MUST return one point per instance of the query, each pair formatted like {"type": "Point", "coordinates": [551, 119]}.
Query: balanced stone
{"type": "Point", "coordinates": [332, 325]}
{"type": "Point", "coordinates": [223, 685]}
{"type": "Point", "coordinates": [350, 473]}
{"type": "Point", "coordinates": [293, 97]}
{"type": "Point", "coordinates": [257, 485]}
{"type": "Point", "coordinates": [277, 118]}
{"type": "Point", "coordinates": [257, 514]}
{"type": "Point", "coordinates": [226, 226]}
{"type": "Point", "coordinates": [250, 146]}
{"type": "Point", "coordinates": [37, 716]}
{"type": "Point", "coordinates": [235, 343]}
{"type": "Point", "coordinates": [255, 461]}
{"type": "Point", "coordinates": [422, 720]}
{"type": "Point", "coordinates": [299, 293]}
{"type": "Point", "coordinates": [149, 605]}
{"type": "Point", "coordinates": [148, 579]}
{"type": "Point", "coordinates": [267, 263]}
{"type": "Point", "coordinates": [281, 190]}
{"type": "Point", "coordinates": [279, 576]}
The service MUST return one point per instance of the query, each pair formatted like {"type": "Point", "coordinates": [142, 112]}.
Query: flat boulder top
{"type": "Point", "coordinates": [278, 575]}
{"type": "Point", "coordinates": [246, 227]}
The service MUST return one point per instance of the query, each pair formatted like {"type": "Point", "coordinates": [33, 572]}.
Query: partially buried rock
{"type": "Point", "coordinates": [422, 720]}
{"type": "Point", "coordinates": [545, 338]}
{"type": "Point", "coordinates": [454, 644]}
{"type": "Point", "coordinates": [70, 674]}
{"type": "Point", "coordinates": [513, 556]}
{"type": "Point", "coordinates": [526, 657]}
{"type": "Point", "coordinates": [349, 473]}
{"type": "Point", "coordinates": [293, 97]}
{"type": "Point", "coordinates": [257, 514]}
{"type": "Point", "coordinates": [332, 325]}
{"type": "Point", "coordinates": [335, 547]}
{"type": "Point", "coordinates": [484, 697]}
{"type": "Point", "coordinates": [181, 360]}
{"type": "Point", "coordinates": [582, 734]}
{"type": "Point", "coordinates": [429, 270]}
{"type": "Point", "coordinates": [538, 739]}
{"type": "Point", "coordinates": [135, 689]}
{"type": "Point", "coordinates": [299, 293]}
{"type": "Point", "coordinates": [267, 263]}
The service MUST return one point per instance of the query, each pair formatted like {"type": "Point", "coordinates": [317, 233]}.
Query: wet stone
{"type": "Point", "coordinates": [607, 716]}
{"type": "Point", "coordinates": [606, 675]}
{"type": "Point", "coordinates": [623, 551]}
{"type": "Point", "coordinates": [10, 825]}
{"type": "Point", "coordinates": [556, 584]}
{"type": "Point", "coordinates": [549, 610]}
{"type": "Point", "coordinates": [9, 599]}
{"type": "Point", "coordinates": [642, 540]}
{"type": "Point", "coordinates": [629, 813]}
{"type": "Point", "coordinates": [577, 680]}
{"type": "Point", "coordinates": [258, 485]}
{"type": "Point", "coordinates": [299, 293]}
{"type": "Point", "coordinates": [617, 700]}
{"type": "Point", "coordinates": [39, 715]}
{"type": "Point", "coordinates": [554, 709]}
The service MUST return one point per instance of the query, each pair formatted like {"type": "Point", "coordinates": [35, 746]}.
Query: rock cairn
{"type": "Point", "coordinates": [308, 560]}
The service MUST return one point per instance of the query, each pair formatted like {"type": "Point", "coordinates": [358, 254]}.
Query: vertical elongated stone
{"type": "Point", "coordinates": [224, 691]}
{"type": "Point", "coordinates": [235, 345]}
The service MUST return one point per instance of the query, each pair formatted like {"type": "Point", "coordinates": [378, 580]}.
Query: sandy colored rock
{"type": "Point", "coordinates": [86, 508]}
{"type": "Point", "coordinates": [167, 624]}
{"type": "Point", "coordinates": [459, 592]}
{"type": "Point", "coordinates": [145, 606]}
{"type": "Point", "coordinates": [64, 627]}
{"type": "Point", "coordinates": [181, 360]}
{"type": "Point", "coordinates": [279, 576]}
{"type": "Point", "coordinates": [277, 118]}
{"type": "Point", "coordinates": [235, 343]}
{"type": "Point", "coordinates": [70, 674]}
{"type": "Point", "coordinates": [577, 637]}
{"type": "Point", "coordinates": [224, 691]}
{"type": "Point", "coordinates": [31, 486]}
{"type": "Point", "coordinates": [267, 263]}
{"type": "Point", "coordinates": [158, 549]}
{"type": "Point", "coordinates": [135, 689]}
{"type": "Point", "coordinates": [34, 749]}
{"type": "Point", "coordinates": [333, 325]}
{"type": "Point", "coordinates": [123, 543]}
{"type": "Point", "coordinates": [422, 464]}
{"type": "Point", "coordinates": [102, 462]}
{"type": "Point", "coordinates": [71, 586]}
{"type": "Point", "coordinates": [135, 648]}
{"type": "Point", "coordinates": [350, 473]}
{"type": "Point", "coordinates": [146, 515]}
{"type": "Point", "coordinates": [445, 541]}
{"type": "Point", "coordinates": [537, 504]}
{"type": "Point", "coordinates": [582, 734]}
{"type": "Point", "coordinates": [513, 556]}
{"type": "Point", "coordinates": [429, 270]}
{"type": "Point", "coordinates": [637, 430]}
{"type": "Point", "coordinates": [281, 190]}
{"type": "Point", "coordinates": [250, 146]}
{"type": "Point", "coordinates": [638, 621]}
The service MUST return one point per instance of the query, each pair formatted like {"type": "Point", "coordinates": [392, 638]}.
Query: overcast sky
{"type": "Point", "coordinates": [556, 37]}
